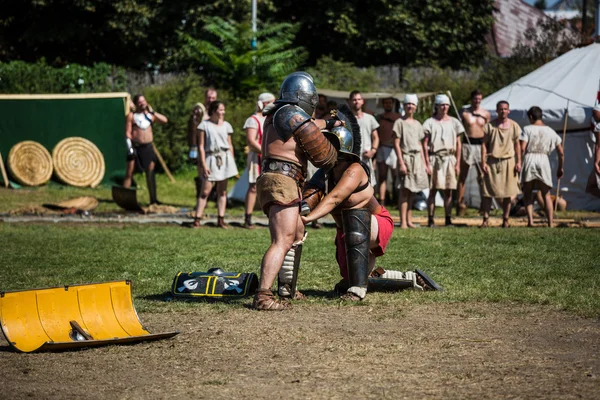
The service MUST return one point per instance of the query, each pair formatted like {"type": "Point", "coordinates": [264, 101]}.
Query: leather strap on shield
{"type": "Point", "coordinates": [357, 231]}
{"type": "Point", "coordinates": [315, 145]}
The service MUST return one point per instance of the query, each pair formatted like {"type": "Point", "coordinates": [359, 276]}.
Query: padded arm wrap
{"type": "Point", "coordinates": [312, 195]}
{"type": "Point", "coordinates": [314, 190]}
{"type": "Point", "coordinates": [315, 145]}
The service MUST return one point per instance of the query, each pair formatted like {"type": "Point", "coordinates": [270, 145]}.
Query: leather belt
{"type": "Point", "coordinates": [284, 168]}
{"type": "Point", "coordinates": [473, 141]}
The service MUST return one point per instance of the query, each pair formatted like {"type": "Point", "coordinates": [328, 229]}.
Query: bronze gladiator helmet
{"type": "Point", "coordinates": [346, 138]}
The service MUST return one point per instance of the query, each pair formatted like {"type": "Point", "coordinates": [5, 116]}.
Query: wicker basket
{"type": "Point", "coordinates": [78, 162]}
{"type": "Point", "coordinates": [30, 163]}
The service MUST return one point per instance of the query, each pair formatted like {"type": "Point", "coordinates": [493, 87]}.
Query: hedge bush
{"type": "Point", "coordinates": [19, 77]}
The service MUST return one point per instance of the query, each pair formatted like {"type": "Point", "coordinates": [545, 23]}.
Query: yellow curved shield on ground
{"type": "Point", "coordinates": [72, 317]}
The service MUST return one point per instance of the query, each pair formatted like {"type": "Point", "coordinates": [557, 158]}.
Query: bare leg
{"type": "Point", "coordinates": [486, 205]}
{"type": "Point", "coordinates": [505, 211]}
{"type": "Point", "coordinates": [448, 202]}
{"type": "Point", "coordinates": [409, 222]}
{"type": "Point", "coordinates": [203, 198]}
{"type": "Point", "coordinates": [431, 206]}
{"type": "Point", "coordinates": [382, 170]}
{"type": "Point", "coordinates": [528, 200]}
{"type": "Point", "coordinates": [549, 205]}
{"type": "Point", "coordinates": [250, 198]}
{"type": "Point", "coordinates": [129, 167]}
{"type": "Point", "coordinates": [283, 227]}
{"type": "Point", "coordinates": [462, 179]}
{"type": "Point", "coordinates": [221, 190]}
{"type": "Point", "coordinates": [404, 194]}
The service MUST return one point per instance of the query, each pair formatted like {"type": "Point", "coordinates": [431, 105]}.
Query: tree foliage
{"type": "Point", "coordinates": [224, 52]}
{"type": "Point", "coordinates": [442, 32]}
{"type": "Point", "coordinates": [341, 75]}
{"type": "Point", "coordinates": [144, 34]}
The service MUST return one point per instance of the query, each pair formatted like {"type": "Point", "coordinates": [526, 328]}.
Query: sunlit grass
{"type": "Point", "coordinates": [554, 267]}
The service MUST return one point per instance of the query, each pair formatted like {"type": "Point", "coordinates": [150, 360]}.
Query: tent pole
{"type": "Point", "coordinates": [563, 143]}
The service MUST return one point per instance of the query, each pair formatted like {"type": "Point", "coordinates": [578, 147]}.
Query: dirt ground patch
{"type": "Point", "coordinates": [329, 352]}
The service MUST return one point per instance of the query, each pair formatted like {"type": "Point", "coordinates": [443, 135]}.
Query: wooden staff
{"type": "Point", "coordinates": [4, 176]}
{"type": "Point", "coordinates": [162, 163]}
{"type": "Point", "coordinates": [563, 143]}
{"type": "Point", "coordinates": [481, 173]}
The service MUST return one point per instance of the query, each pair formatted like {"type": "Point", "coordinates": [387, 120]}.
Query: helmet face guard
{"type": "Point", "coordinates": [298, 88]}
{"type": "Point", "coordinates": [346, 138]}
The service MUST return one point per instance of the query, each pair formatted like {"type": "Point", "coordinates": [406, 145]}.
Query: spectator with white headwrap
{"type": "Point", "coordinates": [413, 168]}
{"type": "Point", "coordinates": [254, 132]}
{"type": "Point", "coordinates": [442, 150]}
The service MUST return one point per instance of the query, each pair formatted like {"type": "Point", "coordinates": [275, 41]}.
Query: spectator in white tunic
{"type": "Point", "coordinates": [413, 168]}
{"type": "Point", "coordinates": [442, 150]}
{"type": "Point", "coordinates": [254, 132]}
{"type": "Point", "coordinates": [537, 142]}
{"type": "Point", "coordinates": [216, 163]}
{"type": "Point", "coordinates": [368, 131]}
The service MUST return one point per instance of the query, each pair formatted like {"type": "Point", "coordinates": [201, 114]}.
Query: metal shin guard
{"type": "Point", "coordinates": [151, 182]}
{"type": "Point", "coordinates": [315, 145]}
{"type": "Point", "coordinates": [357, 232]}
{"type": "Point", "coordinates": [288, 274]}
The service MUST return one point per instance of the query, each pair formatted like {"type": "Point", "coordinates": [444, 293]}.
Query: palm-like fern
{"type": "Point", "coordinates": [227, 57]}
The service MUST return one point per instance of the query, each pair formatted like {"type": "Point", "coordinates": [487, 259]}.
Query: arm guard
{"type": "Point", "coordinates": [291, 120]}
{"type": "Point", "coordinates": [315, 145]}
{"type": "Point", "coordinates": [313, 193]}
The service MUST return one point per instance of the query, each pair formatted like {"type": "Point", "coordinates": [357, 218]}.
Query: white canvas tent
{"type": "Point", "coordinates": [570, 82]}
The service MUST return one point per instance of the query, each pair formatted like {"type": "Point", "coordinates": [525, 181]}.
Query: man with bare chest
{"type": "Point", "coordinates": [474, 119]}
{"type": "Point", "coordinates": [386, 156]}
{"type": "Point", "coordinates": [138, 137]}
{"type": "Point", "coordinates": [291, 138]}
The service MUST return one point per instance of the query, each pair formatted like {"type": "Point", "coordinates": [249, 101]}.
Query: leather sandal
{"type": "Point", "coordinates": [221, 223]}
{"type": "Point", "coordinates": [264, 300]}
{"type": "Point", "coordinates": [297, 296]}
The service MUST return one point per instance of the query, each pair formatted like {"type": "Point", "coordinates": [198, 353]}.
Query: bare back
{"type": "Point", "coordinates": [474, 120]}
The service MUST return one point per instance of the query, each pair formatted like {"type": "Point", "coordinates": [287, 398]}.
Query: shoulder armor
{"type": "Point", "coordinates": [287, 119]}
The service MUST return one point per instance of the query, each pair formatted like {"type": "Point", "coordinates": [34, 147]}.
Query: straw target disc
{"type": "Point", "coordinates": [30, 163]}
{"type": "Point", "coordinates": [78, 162]}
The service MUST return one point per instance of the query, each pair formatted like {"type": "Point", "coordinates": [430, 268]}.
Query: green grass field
{"type": "Point", "coordinates": [555, 267]}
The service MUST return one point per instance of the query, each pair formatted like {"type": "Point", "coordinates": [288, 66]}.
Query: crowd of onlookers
{"type": "Point", "coordinates": [433, 156]}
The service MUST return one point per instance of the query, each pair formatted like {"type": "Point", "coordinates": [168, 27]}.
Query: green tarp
{"type": "Point", "coordinates": [47, 119]}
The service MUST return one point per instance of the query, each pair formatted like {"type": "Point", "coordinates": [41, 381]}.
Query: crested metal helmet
{"type": "Point", "coordinates": [346, 138]}
{"type": "Point", "coordinates": [299, 88]}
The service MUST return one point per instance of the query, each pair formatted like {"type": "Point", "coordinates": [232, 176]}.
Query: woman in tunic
{"type": "Point", "coordinates": [408, 144]}
{"type": "Point", "coordinates": [215, 161]}
{"type": "Point", "coordinates": [537, 142]}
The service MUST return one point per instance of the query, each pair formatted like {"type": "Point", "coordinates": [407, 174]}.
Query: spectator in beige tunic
{"type": "Point", "coordinates": [442, 149]}
{"type": "Point", "coordinates": [413, 169]}
{"type": "Point", "coordinates": [537, 142]}
{"type": "Point", "coordinates": [499, 149]}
